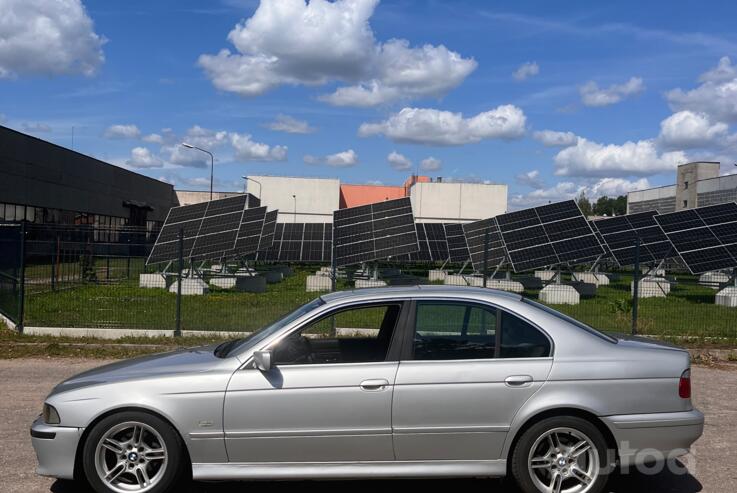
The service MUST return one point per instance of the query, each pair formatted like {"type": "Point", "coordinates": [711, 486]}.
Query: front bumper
{"type": "Point", "coordinates": [56, 448]}
{"type": "Point", "coordinates": [646, 438]}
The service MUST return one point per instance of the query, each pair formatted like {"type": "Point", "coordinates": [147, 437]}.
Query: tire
{"type": "Point", "coordinates": [147, 461]}
{"type": "Point", "coordinates": [581, 453]}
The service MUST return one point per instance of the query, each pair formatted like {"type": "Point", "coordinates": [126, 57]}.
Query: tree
{"type": "Point", "coordinates": [584, 204]}
{"type": "Point", "coordinates": [606, 206]}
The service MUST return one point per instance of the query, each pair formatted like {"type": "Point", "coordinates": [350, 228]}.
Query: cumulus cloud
{"type": "Point", "coordinates": [248, 150]}
{"type": "Point", "coordinates": [343, 159]}
{"type": "Point", "coordinates": [687, 129]}
{"type": "Point", "coordinates": [526, 70]}
{"type": "Point", "coordinates": [614, 187]}
{"type": "Point", "coordinates": [593, 95]}
{"type": "Point", "coordinates": [398, 161]}
{"type": "Point", "coordinates": [443, 128]}
{"type": "Point", "coordinates": [294, 42]}
{"type": "Point", "coordinates": [36, 127]}
{"type": "Point", "coordinates": [290, 125]}
{"type": "Point", "coordinates": [716, 96]}
{"type": "Point", "coordinates": [641, 158]}
{"type": "Point", "coordinates": [122, 132]}
{"type": "Point", "coordinates": [530, 179]}
{"type": "Point", "coordinates": [47, 37]}
{"type": "Point", "coordinates": [430, 164]}
{"type": "Point", "coordinates": [567, 190]}
{"type": "Point", "coordinates": [552, 138]}
{"type": "Point", "coordinates": [141, 157]}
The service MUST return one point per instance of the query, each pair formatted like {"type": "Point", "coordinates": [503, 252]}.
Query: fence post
{"type": "Point", "coordinates": [333, 267]}
{"type": "Point", "coordinates": [53, 267]}
{"type": "Point", "coordinates": [486, 255]}
{"type": "Point", "coordinates": [636, 286]}
{"type": "Point", "coordinates": [22, 278]}
{"type": "Point", "coordinates": [180, 268]}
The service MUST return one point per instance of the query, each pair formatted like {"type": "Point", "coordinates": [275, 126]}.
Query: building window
{"type": "Point", "coordinates": [685, 204]}
{"type": "Point", "coordinates": [685, 185]}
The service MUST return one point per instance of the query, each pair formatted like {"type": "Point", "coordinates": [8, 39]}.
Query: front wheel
{"type": "Point", "coordinates": [132, 452]}
{"type": "Point", "coordinates": [561, 455]}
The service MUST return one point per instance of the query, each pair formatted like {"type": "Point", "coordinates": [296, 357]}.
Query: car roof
{"type": "Point", "coordinates": [418, 291]}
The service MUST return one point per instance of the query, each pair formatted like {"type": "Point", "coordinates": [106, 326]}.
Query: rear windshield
{"type": "Point", "coordinates": [570, 320]}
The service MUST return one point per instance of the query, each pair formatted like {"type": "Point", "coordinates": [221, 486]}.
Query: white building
{"type": "Point", "coordinates": [299, 200]}
{"type": "Point", "coordinates": [448, 202]}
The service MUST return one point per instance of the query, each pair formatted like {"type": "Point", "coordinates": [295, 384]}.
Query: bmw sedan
{"type": "Point", "coordinates": [412, 382]}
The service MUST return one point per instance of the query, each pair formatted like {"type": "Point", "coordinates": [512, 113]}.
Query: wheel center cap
{"type": "Point", "coordinates": [133, 457]}
{"type": "Point", "coordinates": [562, 461]}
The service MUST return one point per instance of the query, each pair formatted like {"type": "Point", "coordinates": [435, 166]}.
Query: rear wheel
{"type": "Point", "coordinates": [561, 455]}
{"type": "Point", "coordinates": [132, 452]}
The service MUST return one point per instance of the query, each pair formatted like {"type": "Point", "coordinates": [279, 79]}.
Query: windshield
{"type": "Point", "coordinates": [232, 347]}
{"type": "Point", "coordinates": [570, 320]}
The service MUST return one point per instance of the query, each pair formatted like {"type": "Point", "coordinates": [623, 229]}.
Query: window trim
{"type": "Point", "coordinates": [410, 327]}
{"type": "Point", "coordinates": [395, 344]}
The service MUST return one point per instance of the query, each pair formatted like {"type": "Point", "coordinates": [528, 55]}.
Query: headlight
{"type": "Point", "coordinates": [50, 415]}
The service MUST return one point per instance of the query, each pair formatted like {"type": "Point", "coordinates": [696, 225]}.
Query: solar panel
{"type": "Point", "coordinates": [375, 231]}
{"type": "Point", "coordinates": [249, 233]}
{"type": "Point", "coordinates": [705, 238]}
{"type": "Point", "coordinates": [548, 235]}
{"type": "Point", "coordinates": [475, 233]}
{"type": "Point", "coordinates": [267, 232]}
{"type": "Point", "coordinates": [457, 246]}
{"type": "Point", "coordinates": [210, 230]}
{"type": "Point", "coordinates": [620, 236]}
{"type": "Point", "coordinates": [299, 242]}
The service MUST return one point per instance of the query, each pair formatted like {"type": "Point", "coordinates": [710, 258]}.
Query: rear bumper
{"type": "Point", "coordinates": [55, 447]}
{"type": "Point", "coordinates": [646, 438]}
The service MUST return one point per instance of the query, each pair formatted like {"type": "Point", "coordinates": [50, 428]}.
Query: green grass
{"type": "Point", "coordinates": [688, 311]}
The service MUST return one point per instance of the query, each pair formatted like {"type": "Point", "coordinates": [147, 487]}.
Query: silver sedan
{"type": "Point", "coordinates": [411, 382]}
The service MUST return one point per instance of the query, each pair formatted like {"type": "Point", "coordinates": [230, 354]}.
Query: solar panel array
{"type": "Point", "coordinates": [249, 233]}
{"type": "Point", "coordinates": [457, 246]}
{"type": "Point", "coordinates": [548, 235]}
{"type": "Point", "coordinates": [300, 242]}
{"type": "Point", "coordinates": [375, 231]}
{"type": "Point", "coordinates": [267, 232]}
{"type": "Point", "coordinates": [476, 239]}
{"type": "Point", "coordinates": [620, 235]}
{"type": "Point", "coordinates": [705, 238]}
{"type": "Point", "coordinates": [432, 242]}
{"type": "Point", "coordinates": [210, 229]}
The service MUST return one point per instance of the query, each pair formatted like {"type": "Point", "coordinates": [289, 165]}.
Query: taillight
{"type": "Point", "coordinates": [684, 385]}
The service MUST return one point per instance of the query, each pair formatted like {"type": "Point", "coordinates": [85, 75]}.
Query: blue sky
{"type": "Point", "coordinates": [551, 98]}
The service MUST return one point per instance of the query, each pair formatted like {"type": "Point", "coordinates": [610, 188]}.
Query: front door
{"type": "Point", "coordinates": [327, 398]}
{"type": "Point", "coordinates": [464, 375]}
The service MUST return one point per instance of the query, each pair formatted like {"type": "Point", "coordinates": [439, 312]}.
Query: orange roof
{"type": "Point", "coordinates": [355, 195]}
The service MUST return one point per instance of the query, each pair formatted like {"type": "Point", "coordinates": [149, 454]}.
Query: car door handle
{"type": "Point", "coordinates": [518, 381]}
{"type": "Point", "coordinates": [374, 385]}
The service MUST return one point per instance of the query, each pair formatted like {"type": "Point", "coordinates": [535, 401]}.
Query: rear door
{"type": "Point", "coordinates": [466, 369]}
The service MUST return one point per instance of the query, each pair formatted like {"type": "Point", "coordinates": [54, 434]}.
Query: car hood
{"type": "Point", "coordinates": [191, 360]}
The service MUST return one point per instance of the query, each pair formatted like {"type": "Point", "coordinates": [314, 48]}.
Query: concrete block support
{"type": "Point", "coordinates": [318, 283]}
{"type": "Point", "coordinates": [546, 275]}
{"type": "Point", "coordinates": [190, 286]}
{"type": "Point", "coordinates": [591, 278]}
{"type": "Point", "coordinates": [713, 279]}
{"type": "Point", "coordinates": [559, 294]}
{"type": "Point", "coordinates": [651, 287]}
{"type": "Point", "coordinates": [223, 282]}
{"type": "Point", "coordinates": [505, 285]}
{"type": "Point", "coordinates": [461, 280]}
{"type": "Point", "coordinates": [369, 283]}
{"type": "Point", "coordinates": [727, 297]}
{"type": "Point", "coordinates": [151, 281]}
{"type": "Point", "coordinates": [437, 275]}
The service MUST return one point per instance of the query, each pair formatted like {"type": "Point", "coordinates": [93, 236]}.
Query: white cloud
{"type": "Point", "coordinates": [47, 37]}
{"type": "Point", "coordinates": [567, 190]}
{"type": "Point", "coordinates": [614, 187]}
{"type": "Point", "coordinates": [430, 164]}
{"type": "Point", "coordinates": [526, 70]}
{"type": "Point", "coordinates": [639, 158]}
{"type": "Point", "coordinates": [122, 132]}
{"type": "Point", "coordinates": [36, 127]}
{"type": "Point", "coordinates": [294, 42]}
{"type": "Point", "coordinates": [716, 96]}
{"type": "Point", "coordinates": [552, 138]}
{"type": "Point", "coordinates": [398, 161]}
{"type": "Point", "coordinates": [530, 179]}
{"type": "Point", "coordinates": [153, 138]}
{"type": "Point", "coordinates": [141, 157]}
{"type": "Point", "coordinates": [248, 150]}
{"type": "Point", "coordinates": [290, 125]}
{"type": "Point", "coordinates": [343, 159]}
{"type": "Point", "coordinates": [687, 129]}
{"type": "Point", "coordinates": [443, 128]}
{"type": "Point", "coordinates": [593, 95]}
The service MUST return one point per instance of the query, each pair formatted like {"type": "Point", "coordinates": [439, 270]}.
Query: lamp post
{"type": "Point", "coordinates": [245, 185]}
{"type": "Point", "coordinates": [212, 161]}
{"type": "Point", "coordinates": [295, 207]}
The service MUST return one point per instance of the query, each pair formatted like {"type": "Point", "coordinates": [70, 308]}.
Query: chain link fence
{"type": "Point", "coordinates": [82, 278]}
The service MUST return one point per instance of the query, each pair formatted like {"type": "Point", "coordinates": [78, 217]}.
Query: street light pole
{"type": "Point", "coordinates": [212, 162]}
{"type": "Point", "coordinates": [247, 179]}
{"type": "Point", "coordinates": [295, 207]}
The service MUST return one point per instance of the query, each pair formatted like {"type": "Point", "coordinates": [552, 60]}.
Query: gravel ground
{"type": "Point", "coordinates": [25, 382]}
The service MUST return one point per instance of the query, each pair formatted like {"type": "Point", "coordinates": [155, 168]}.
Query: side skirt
{"type": "Point", "coordinates": [348, 470]}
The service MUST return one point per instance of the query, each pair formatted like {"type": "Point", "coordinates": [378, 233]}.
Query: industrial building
{"type": "Point", "coordinates": [698, 184]}
{"type": "Point", "coordinates": [306, 200]}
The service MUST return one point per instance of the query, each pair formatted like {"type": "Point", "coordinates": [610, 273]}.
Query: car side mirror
{"type": "Point", "coordinates": [262, 360]}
